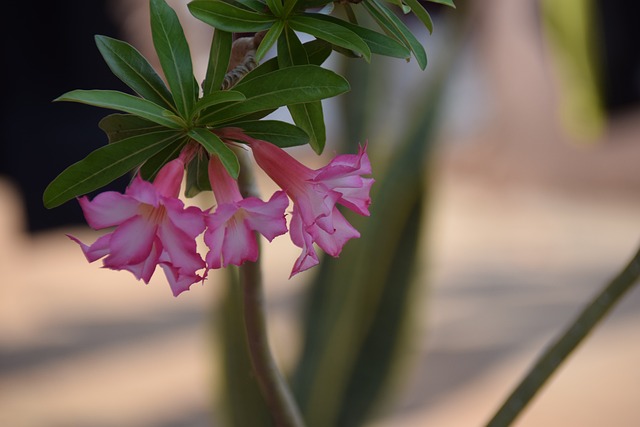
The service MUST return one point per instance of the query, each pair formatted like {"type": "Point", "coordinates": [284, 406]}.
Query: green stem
{"type": "Point", "coordinates": [555, 354]}
{"type": "Point", "coordinates": [275, 390]}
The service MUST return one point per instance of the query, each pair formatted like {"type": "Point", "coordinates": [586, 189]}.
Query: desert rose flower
{"type": "Point", "coordinates": [152, 228]}
{"type": "Point", "coordinates": [315, 194]}
{"type": "Point", "coordinates": [231, 228]}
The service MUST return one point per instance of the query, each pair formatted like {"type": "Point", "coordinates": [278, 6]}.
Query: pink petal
{"type": "Point", "coordinates": [131, 243]}
{"type": "Point", "coordinates": [143, 191]}
{"type": "Point", "coordinates": [266, 218]}
{"type": "Point", "coordinates": [189, 220]}
{"type": "Point", "coordinates": [108, 209]}
{"type": "Point", "coordinates": [239, 244]}
{"type": "Point", "coordinates": [146, 268]}
{"type": "Point", "coordinates": [301, 238]}
{"type": "Point", "coordinates": [332, 243]}
{"type": "Point", "coordinates": [97, 250]}
{"type": "Point", "coordinates": [213, 238]}
{"type": "Point", "coordinates": [357, 199]}
{"type": "Point", "coordinates": [180, 247]}
{"type": "Point", "coordinates": [178, 281]}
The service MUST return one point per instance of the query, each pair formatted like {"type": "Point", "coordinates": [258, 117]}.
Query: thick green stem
{"type": "Point", "coordinates": [555, 354]}
{"type": "Point", "coordinates": [275, 390]}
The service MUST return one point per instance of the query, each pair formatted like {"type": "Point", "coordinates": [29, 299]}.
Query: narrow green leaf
{"type": "Point", "coordinates": [276, 132]}
{"type": "Point", "coordinates": [391, 23]}
{"type": "Point", "coordinates": [445, 2]}
{"type": "Point", "coordinates": [229, 17]}
{"type": "Point", "coordinates": [289, 6]}
{"type": "Point", "coordinates": [317, 52]}
{"type": "Point", "coordinates": [330, 32]}
{"type": "Point", "coordinates": [292, 85]}
{"type": "Point", "coordinates": [134, 70]}
{"type": "Point", "coordinates": [378, 43]}
{"type": "Point", "coordinates": [124, 102]}
{"type": "Point", "coordinates": [123, 126]}
{"type": "Point", "coordinates": [255, 5]}
{"type": "Point", "coordinates": [106, 164]}
{"type": "Point", "coordinates": [275, 6]}
{"type": "Point", "coordinates": [290, 50]}
{"type": "Point", "coordinates": [308, 116]}
{"type": "Point", "coordinates": [421, 13]}
{"type": "Point", "coordinates": [152, 166]}
{"type": "Point", "coordinates": [197, 176]}
{"type": "Point", "coordinates": [175, 58]}
{"type": "Point", "coordinates": [214, 145]}
{"type": "Point", "coordinates": [269, 39]}
{"type": "Point", "coordinates": [405, 9]}
{"type": "Point", "coordinates": [216, 98]}
{"type": "Point", "coordinates": [219, 56]}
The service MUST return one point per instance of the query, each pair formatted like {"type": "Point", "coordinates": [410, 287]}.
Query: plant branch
{"type": "Point", "coordinates": [555, 354]}
{"type": "Point", "coordinates": [275, 390]}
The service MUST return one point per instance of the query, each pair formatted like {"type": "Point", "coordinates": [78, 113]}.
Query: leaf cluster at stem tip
{"type": "Point", "coordinates": [162, 116]}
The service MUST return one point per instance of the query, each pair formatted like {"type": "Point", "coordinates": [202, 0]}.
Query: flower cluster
{"type": "Point", "coordinates": [153, 227]}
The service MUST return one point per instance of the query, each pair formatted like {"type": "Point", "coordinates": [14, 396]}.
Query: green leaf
{"type": "Point", "coordinates": [134, 70]}
{"type": "Point", "coordinates": [391, 23]}
{"type": "Point", "coordinates": [152, 166]}
{"type": "Point", "coordinates": [269, 39]}
{"type": "Point", "coordinates": [105, 164]}
{"type": "Point", "coordinates": [216, 98]}
{"type": "Point", "coordinates": [308, 116]}
{"type": "Point", "coordinates": [292, 85]}
{"type": "Point", "coordinates": [421, 13]}
{"type": "Point", "coordinates": [331, 32]}
{"type": "Point", "coordinates": [276, 132]}
{"type": "Point", "coordinates": [173, 52]}
{"type": "Point", "coordinates": [219, 56]}
{"type": "Point", "coordinates": [214, 145]}
{"type": "Point", "coordinates": [197, 176]}
{"type": "Point", "coordinates": [123, 126]}
{"type": "Point", "coordinates": [275, 6]}
{"type": "Point", "coordinates": [255, 5]}
{"type": "Point", "coordinates": [317, 52]}
{"type": "Point", "coordinates": [229, 17]}
{"type": "Point", "coordinates": [124, 102]}
{"type": "Point", "coordinates": [378, 43]}
{"type": "Point", "coordinates": [289, 6]}
{"type": "Point", "coordinates": [445, 2]}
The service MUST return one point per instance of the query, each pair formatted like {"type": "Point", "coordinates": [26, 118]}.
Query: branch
{"type": "Point", "coordinates": [554, 355]}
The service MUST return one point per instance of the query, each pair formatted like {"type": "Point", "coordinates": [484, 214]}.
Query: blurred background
{"type": "Point", "coordinates": [532, 182]}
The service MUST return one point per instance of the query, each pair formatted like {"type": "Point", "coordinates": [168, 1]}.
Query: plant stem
{"type": "Point", "coordinates": [555, 354]}
{"type": "Point", "coordinates": [275, 390]}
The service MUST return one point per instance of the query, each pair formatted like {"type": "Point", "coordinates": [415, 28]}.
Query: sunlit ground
{"type": "Point", "coordinates": [525, 226]}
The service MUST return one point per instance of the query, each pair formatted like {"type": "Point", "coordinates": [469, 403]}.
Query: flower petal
{"type": "Point", "coordinates": [108, 209]}
{"type": "Point", "coordinates": [180, 247]}
{"type": "Point", "coordinates": [332, 243]}
{"type": "Point", "coordinates": [130, 243]}
{"type": "Point", "coordinates": [146, 268]}
{"type": "Point", "coordinates": [189, 220]}
{"type": "Point", "coordinates": [301, 238]}
{"type": "Point", "coordinates": [267, 218]}
{"type": "Point", "coordinates": [178, 280]}
{"type": "Point", "coordinates": [97, 250]}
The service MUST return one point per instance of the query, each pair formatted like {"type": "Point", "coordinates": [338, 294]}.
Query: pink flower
{"type": "Point", "coordinates": [315, 193]}
{"type": "Point", "coordinates": [230, 229]}
{"type": "Point", "coordinates": [152, 228]}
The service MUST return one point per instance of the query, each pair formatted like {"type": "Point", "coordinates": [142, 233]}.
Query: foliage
{"type": "Point", "coordinates": [161, 118]}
